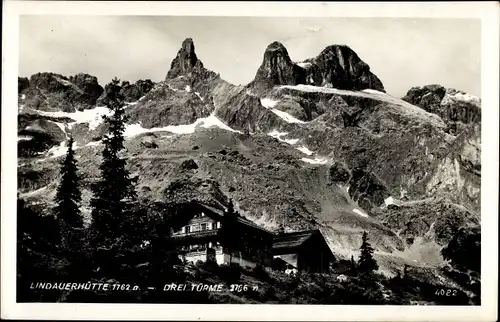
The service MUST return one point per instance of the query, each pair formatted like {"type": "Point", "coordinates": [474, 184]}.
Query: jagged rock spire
{"type": "Point", "coordinates": [186, 60]}
{"type": "Point", "coordinates": [277, 69]}
{"type": "Point", "coordinates": [337, 66]}
{"type": "Point", "coordinates": [341, 67]}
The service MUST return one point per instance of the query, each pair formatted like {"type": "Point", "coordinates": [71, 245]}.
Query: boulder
{"type": "Point", "coordinates": [338, 173]}
{"type": "Point", "coordinates": [149, 142]}
{"type": "Point", "coordinates": [37, 135]}
{"type": "Point", "coordinates": [189, 164]}
{"type": "Point", "coordinates": [133, 92]}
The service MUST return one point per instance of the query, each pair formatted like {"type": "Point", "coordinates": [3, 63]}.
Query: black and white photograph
{"type": "Point", "coordinates": [228, 159]}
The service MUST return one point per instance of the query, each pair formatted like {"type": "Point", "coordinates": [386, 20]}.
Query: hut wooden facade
{"type": "Point", "coordinates": [307, 251]}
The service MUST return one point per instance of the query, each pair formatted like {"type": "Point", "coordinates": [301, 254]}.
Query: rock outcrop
{"type": "Point", "coordinates": [50, 91]}
{"type": "Point", "coordinates": [22, 84]}
{"type": "Point", "coordinates": [455, 107]}
{"type": "Point", "coordinates": [89, 84]}
{"type": "Point", "coordinates": [35, 134]}
{"type": "Point", "coordinates": [169, 104]}
{"type": "Point", "coordinates": [133, 92]}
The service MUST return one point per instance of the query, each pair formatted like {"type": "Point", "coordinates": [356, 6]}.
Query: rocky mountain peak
{"type": "Point", "coordinates": [186, 60]}
{"type": "Point", "coordinates": [337, 66]}
{"type": "Point", "coordinates": [341, 67]}
{"type": "Point", "coordinates": [188, 46]}
{"type": "Point", "coordinates": [277, 69]}
{"type": "Point", "coordinates": [276, 49]}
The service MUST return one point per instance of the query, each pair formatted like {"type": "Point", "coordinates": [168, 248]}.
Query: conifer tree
{"type": "Point", "coordinates": [229, 234]}
{"type": "Point", "coordinates": [353, 265]}
{"type": "Point", "coordinates": [405, 272]}
{"type": "Point", "coordinates": [114, 194]}
{"type": "Point", "coordinates": [366, 261]}
{"type": "Point", "coordinates": [68, 196]}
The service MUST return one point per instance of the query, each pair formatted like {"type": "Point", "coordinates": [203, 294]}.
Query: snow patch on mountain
{"type": "Point", "coordinates": [304, 65]}
{"type": "Point", "coordinates": [464, 97]}
{"type": "Point", "coordinates": [305, 150]}
{"type": "Point", "coordinates": [270, 104]}
{"type": "Point", "coordinates": [132, 130]}
{"type": "Point", "coordinates": [94, 143]}
{"type": "Point", "coordinates": [278, 135]}
{"type": "Point", "coordinates": [375, 95]}
{"type": "Point", "coordinates": [92, 116]}
{"type": "Point", "coordinates": [188, 88]}
{"type": "Point", "coordinates": [34, 192]}
{"type": "Point", "coordinates": [214, 121]}
{"type": "Point", "coordinates": [373, 91]}
{"type": "Point", "coordinates": [389, 201]}
{"type": "Point", "coordinates": [60, 150]}
{"type": "Point", "coordinates": [61, 126]}
{"type": "Point", "coordinates": [287, 117]}
{"type": "Point", "coordinates": [205, 122]}
{"type": "Point", "coordinates": [317, 160]}
{"type": "Point", "coordinates": [174, 89]}
{"type": "Point", "coordinates": [359, 212]}
{"type": "Point", "coordinates": [199, 96]}
{"type": "Point", "coordinates": [134, 103]}
{"type": "Point", "coordinates": [290, 141]}
{"type": "Point", "coordinates": [24, 138]}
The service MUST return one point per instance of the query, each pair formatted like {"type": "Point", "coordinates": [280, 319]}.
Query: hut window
{"type": "Point", "coordinates": [203, 226]}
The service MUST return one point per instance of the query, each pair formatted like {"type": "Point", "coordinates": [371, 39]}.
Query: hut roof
{"type": "Point", "coordinates": [293, 240]}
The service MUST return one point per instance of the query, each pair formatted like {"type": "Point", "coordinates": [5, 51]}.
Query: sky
{"type": "Point", "coordinates": [402, 52]}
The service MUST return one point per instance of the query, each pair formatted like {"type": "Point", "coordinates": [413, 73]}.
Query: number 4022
{"type": "Point", "coordinates": [442, 292]}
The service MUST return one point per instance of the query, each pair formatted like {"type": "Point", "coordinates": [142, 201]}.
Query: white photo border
{"type": "Point", "coordinates": [487, 12]}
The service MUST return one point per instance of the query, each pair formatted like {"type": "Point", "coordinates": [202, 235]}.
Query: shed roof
{"type": "Point", "coordinates": [293, 240]}
{"type": "Point", "coordinates": [248, 222]}
{"type": "Point", "coordinates": [212, 209]}
{"type": "Point", "coordinates": [241, 219]}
